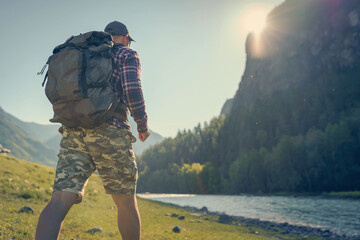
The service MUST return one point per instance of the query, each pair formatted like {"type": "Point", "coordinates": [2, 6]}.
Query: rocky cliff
{"type": "Point", "coordinates": [303, 39]}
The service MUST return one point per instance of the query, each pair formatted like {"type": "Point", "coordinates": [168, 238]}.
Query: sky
{"type": "Point", "coordinates": [192, 52]}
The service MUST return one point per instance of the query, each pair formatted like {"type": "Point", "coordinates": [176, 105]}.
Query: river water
{"type": "Point", "coordinates": [340, 216]}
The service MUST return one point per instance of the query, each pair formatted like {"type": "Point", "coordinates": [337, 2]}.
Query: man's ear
{"type": "Point", "coordinates": [118, 39]}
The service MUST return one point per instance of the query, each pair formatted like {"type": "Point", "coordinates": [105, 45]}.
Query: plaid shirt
{"type": "Point", "coordinates": [126, 82]}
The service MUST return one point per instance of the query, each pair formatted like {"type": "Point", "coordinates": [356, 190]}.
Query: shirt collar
{"type": "Point", "coordinates": [119, 44]}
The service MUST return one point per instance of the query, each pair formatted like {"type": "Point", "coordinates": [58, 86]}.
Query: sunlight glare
{"type": "Point", "coordinates": [254, 20]}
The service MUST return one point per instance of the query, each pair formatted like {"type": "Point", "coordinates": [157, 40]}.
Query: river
{"type": "Point", "coordinates": [340, 216]}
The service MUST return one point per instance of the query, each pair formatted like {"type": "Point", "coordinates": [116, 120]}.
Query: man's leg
{"type": "Point", "coordinates": [128, 216]}
{"type": "Point", "coordinates": [52, 217]}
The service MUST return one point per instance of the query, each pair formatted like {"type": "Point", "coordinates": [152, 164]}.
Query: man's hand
{"type": "Point", "coordinates": [144, 136]}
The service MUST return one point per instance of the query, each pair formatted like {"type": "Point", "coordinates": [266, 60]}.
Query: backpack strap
{"type": "Point", "coordinates": [42, 72]}
{"type": "Point", "coordinates": [45, 78]}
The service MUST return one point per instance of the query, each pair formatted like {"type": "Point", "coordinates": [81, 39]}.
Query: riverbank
{"type": "Point", "coordinates": [160, 220]}
{"type": "Point", "coordinates": [346, 195]}
{"type": "Point", "coordinates": [285, 229]}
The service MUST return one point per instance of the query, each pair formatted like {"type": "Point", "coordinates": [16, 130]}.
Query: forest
{"type": "Point", "coordinates": [304, 140]}
{"type": "Point", "coordinates": [294, 124]}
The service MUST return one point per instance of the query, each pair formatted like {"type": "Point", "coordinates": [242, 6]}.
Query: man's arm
{"type": "Point", "coordinates": [132, 92]}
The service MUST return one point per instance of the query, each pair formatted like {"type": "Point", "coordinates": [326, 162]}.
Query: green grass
{"type": "Point", "coordinates": [27, 184]}
{"type": "Point", "coordinates": [350, 194]}
{"type": "Point", "coordinates": [354, 194]}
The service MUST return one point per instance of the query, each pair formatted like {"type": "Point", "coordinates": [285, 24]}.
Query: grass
{"type": "Point", "coordinates": [350, 194]}
{"type": "Point", "coordinates": [27, 184]}
{"type": "Point", "coordinates": [354, 194]}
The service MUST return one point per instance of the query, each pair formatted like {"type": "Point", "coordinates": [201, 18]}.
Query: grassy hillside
{"type": "Point", "coordinates": [27, 184]}
{"type": "Point", "coordinates": [22, 145]}
{"type": "Point", "coordinates": [40, 132]}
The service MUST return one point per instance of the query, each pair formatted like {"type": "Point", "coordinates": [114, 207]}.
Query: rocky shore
{"type": "Point", "coordinates": [283, 228]}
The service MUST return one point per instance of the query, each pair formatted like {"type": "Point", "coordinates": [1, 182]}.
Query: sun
{"type": "Point", "coordinates": [254, 20]}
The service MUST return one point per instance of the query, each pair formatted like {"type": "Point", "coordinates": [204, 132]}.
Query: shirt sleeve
{"type": "Point", "coordinates": [132, 94]}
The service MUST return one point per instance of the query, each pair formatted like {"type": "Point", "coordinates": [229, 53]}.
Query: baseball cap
{"type": "Point", "coordinates": [117, 28]}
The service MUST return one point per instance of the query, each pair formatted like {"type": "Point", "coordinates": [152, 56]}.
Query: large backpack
{"type": "Point", "coordinates": [78, 80]}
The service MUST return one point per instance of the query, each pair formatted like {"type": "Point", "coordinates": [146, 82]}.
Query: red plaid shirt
{"type": "Point", "coordinates": [126, 82]}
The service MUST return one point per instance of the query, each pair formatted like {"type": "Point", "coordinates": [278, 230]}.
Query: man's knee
{"type": "Point", "coordinates": [124, 200]}
{"type": "Point", "coordinates": [66, 199]}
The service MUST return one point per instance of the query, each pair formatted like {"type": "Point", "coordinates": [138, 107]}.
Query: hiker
{"type": "Point", "coordinates": [106, 148]}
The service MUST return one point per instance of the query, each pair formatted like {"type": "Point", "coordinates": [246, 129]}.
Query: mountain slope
{"type": "Point", "coordinates": [23, 146]}
{"type": "Point", "coordinates": [303, 39]}
{"type": "Point", "coordinates": [140, 147]}
{"type": "Point", "coordinates": [301, 73]}
{"type": "Point", "coordinates": [40, 132]}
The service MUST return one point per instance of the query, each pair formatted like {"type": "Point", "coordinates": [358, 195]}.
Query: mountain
{"type": "Point", "coordinates": [22, 145]}
{"type": "Point", "coordinates": [226, 109]}
{"type": "Point", "coordinates": [304, 42]}
{"type": "Point", "coordinates": [40, 132]}
{"type": "Point", "coordinates": [140, 147]}
{"type": "Point", "coordinates": [41, 142]}
{"type": "Point", "coordinates": [54, 142]}
{"type": "Point", "coordinates": [294, 122]}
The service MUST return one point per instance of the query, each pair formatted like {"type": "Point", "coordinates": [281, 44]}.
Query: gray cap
{"type": "Point", "coordinates": [117, 28]}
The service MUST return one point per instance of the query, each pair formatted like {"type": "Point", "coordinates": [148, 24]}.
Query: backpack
{"type": "Point", "coordinates": [78, 85]}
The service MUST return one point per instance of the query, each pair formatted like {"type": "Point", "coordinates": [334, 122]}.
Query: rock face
{"type": "Point", "coordinates": [302, 38]}
{"type": "Point", "coordinates": [226, 109]}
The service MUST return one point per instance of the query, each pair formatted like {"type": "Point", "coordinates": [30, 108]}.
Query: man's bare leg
{"type": "Point", "coordinates": [52, 217]}
{"type": "Point", "coordinates": [128, 216]}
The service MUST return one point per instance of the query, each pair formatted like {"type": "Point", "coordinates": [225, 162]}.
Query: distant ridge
{"type": "Point", "coordinates": [140, 147]}
{"type": "Point", "coordinates": [41, 132]}
{"type": "Point", "coordinates": [21, 144]}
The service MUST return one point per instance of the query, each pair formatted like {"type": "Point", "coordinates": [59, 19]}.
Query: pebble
{"type": "Point", "coordinates": [196, 214]}
{"type": "Point", "coordinates": [95, 230]}
{"type": "Point", "coordinates": [204, 210]}
{"type": "Point", "coordinates": [223, 218]}
{"type": "Point", "coordinates": [176, 229]}
{"type": "Point", "coordinates": [26, 209]}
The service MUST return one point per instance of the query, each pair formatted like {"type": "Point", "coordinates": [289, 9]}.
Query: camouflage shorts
{"type": "Point", "coordinates": [105, 148]}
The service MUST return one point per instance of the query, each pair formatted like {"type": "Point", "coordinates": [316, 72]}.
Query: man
{"type": "Point", "coordinates": [106, 148]}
